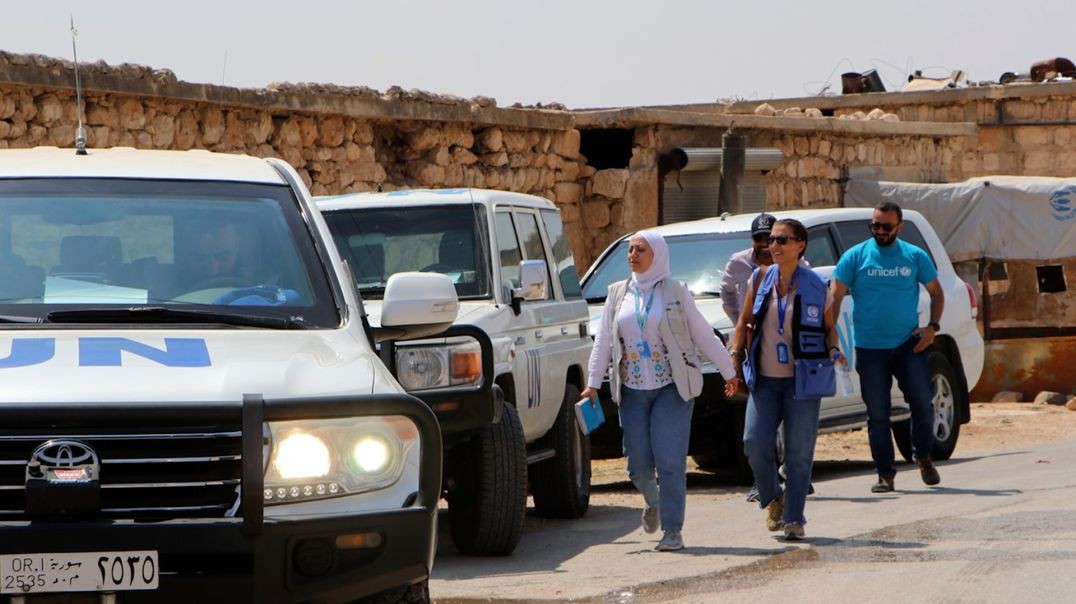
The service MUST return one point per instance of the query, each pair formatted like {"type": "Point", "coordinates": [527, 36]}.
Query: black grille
{"type": "Point", "coordinates": [153, 472]}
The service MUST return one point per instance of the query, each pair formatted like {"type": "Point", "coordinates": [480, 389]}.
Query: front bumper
{"type": "Point", "coordinates": [250, 558]}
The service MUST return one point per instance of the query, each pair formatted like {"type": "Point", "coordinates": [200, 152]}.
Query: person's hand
{"type": "Point", "coordinates": [589, 393]}
{"type": "Point", "coordinates": [925, 336]}
{"type": "Point", "coordinates": [735, 386]}
{"type": "Point", "coordinates": [839, 359]}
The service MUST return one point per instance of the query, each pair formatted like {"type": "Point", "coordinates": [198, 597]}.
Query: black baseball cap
{"type": "Point", "coordinates": [762, 223]}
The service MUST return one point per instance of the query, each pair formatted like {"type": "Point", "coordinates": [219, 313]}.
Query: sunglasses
{"type": "Point", "coordinates": [782, 239]}
{"type": "Point", "coordinates": [883, 226]}
{"type": "Point", "coordinates": [760, 237]}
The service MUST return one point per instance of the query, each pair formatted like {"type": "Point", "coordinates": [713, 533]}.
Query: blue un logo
{"type": "Point", "coordinates": [1062, 203]}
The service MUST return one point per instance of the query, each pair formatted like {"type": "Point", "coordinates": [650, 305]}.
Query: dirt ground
{"type": "Point", "coordinates": [993, 427]}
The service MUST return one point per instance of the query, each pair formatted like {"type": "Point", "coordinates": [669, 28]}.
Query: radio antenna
{"type": "Point", "coordinates": [80, 132]}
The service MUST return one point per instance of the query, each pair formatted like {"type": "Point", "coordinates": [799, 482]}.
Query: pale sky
{"type": "Point", "coordinates": [582, 53]}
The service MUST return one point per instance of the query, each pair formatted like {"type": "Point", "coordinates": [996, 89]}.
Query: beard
{"type": "Point", "coordinates": [763, 256]}
{"type": "Point", "coordinates": [885, 240]}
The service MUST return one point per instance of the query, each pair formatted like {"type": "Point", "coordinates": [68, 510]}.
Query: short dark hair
{"type": "Point", "coordinates": [798, 230]}
{"type": "Point", "coordinates": [890, 206]}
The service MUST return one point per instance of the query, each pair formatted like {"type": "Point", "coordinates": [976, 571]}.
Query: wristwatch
{"type": "Point", "coordinates": [935, 326]}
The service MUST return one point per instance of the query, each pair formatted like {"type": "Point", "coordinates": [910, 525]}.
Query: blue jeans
{"type": "Point", "coordinates": [877, 368]}
{"type": "Point", "coordinates": [772, 401]}
{"type": "Point", "coordinates": [657, 428]}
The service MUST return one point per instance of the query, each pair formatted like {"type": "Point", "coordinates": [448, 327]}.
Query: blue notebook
{"type": "Point", "coordinates": [589, 414]}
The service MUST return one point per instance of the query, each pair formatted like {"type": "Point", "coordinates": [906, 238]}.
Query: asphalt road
{"type": "Point", "coordinates": [1001, 527]}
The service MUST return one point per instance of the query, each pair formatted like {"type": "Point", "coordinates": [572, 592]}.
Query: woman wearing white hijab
{"type": "Point", "coordinates": [650, 331]}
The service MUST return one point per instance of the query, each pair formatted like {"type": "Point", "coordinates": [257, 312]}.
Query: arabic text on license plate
{"type": "Point", "coordinates": [83, 571]}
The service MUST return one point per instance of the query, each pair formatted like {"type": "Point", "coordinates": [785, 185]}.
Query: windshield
{"type": "Point", "coordinates": [69, 245]}
{"type": "Point", "coordinates": [378, 242]}
{"type": "Point", "coordinates": [698, 260]}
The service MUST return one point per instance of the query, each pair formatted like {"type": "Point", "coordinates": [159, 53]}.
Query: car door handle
{"type": "Point", "coordinates": [538, 335]}
{"type": "Point", "coordinates": [563, 331]}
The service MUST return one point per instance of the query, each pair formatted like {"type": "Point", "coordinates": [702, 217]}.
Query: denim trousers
{"type": "Point", "coordinates": [657, 428]}
{"type": "Point", "coordinates": [772, 401]}
{"type": "Point", "coordinates": [877, 368]}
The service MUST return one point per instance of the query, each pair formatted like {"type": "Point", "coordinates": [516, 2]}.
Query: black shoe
{"type": "Point", "coordinates": [928, 472]}
{"type": "Point", "coordinates": [884, 485]}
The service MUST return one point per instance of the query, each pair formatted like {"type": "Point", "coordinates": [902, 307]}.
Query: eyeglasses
{"type": "Point", "coordinates": [782, 239]}
{"type": "Point", "coordinates": [760, 237]}
{"type": "Point", "coordinates": [883, 226]}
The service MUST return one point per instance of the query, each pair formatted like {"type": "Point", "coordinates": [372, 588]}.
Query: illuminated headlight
{"type": "Point", "coordinates": [428, 367]}
{"type": "Point", "coordinates": [315, 459]}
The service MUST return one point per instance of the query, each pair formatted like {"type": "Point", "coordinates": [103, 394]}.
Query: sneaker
{"type": "Point", "coordinates": [650, 519]}
{"type": "Point", "coordinates": [928, 472]}
{"type": "Point", "coordinates": [793, 531]}
{"type": "Point", "coordinates": [774, 511]}
{"type": "Point", "coordinates": [670, 542]}
{"type": "Point", "coordinates": [884, 485]}
{"type": "Point", "coordinates": [752, 495]}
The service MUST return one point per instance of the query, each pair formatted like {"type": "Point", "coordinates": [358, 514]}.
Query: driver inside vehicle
{"type": "Point", "coordinates": [214, 256]}
{"type": "Point", "coordinates": [217, 270]}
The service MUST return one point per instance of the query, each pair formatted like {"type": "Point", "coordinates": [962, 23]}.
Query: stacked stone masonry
{"type": "Point", "coordinates": [348, 140]}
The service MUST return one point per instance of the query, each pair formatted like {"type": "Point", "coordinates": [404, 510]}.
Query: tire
{"type": "Point", "coordinates": [561, 485]}
{"type": "Point", "coordinates": [946, 399]}
{"type": "Point", "coordinates": [418, 593]}
{"type": "Point", "coordinates": [487, 489]}
{"type": "Point", "coordinates": [726, 449]}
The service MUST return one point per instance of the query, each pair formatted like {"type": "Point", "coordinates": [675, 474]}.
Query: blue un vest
{"type": "Point", "coordinates": [808, 319]}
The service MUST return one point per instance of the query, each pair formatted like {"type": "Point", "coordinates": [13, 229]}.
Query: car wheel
{"type": "Point", "coordinates": [487, 488]}
{"type": "Point", "coordinates": [946, 396]}
{"type": "Point", "coordinates": [561, 485]}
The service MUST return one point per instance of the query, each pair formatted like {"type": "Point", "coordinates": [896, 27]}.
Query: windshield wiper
{"type": "Point", "coordinates": [161, 314]}
{"type": "Point", "coordinates": [20, 319]}
{"type": "Point", "coordinates": [597, 300]}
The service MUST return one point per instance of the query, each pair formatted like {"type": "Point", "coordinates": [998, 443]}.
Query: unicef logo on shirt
{"type": "Point", "coordinates": [905, 271]}
{"type": "Point", "coordinates": [1061, 202]}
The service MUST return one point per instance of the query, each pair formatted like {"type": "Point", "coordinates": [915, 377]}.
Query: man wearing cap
{"type": "Point", "coordinates": [742, 264]}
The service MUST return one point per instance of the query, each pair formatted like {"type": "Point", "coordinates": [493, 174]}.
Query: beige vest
{"type": "Point", "coordinates": [675, 335]}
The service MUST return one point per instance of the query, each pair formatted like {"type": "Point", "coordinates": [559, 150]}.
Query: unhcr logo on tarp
{"type": "Point", "coordinates": [1062, 203]}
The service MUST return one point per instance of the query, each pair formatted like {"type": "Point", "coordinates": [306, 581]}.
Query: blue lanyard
{"type": "Point", "coordinates": [641, 319]}
{"type": "Point", "coordinates": [782, 303]}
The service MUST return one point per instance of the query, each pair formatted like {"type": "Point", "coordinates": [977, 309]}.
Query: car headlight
{"type": "Point", "coordinates": [315, 459]}
{"type": "Point", "coordinates": [428, 367]}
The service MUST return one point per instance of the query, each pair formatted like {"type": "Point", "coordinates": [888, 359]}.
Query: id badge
{"type": "Point", "coordinates": [644, 348]}
{"type": "Point", "coordinates": [782, 353]}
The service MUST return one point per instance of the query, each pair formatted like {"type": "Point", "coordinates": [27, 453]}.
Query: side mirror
{"type": "Point", "coordinates": [533, 283]}
{"type": "Point", "coordinates": [417, 305]}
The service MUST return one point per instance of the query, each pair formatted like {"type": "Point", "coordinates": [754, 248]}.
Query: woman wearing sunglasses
{"type": "Point", "coordinates": [650, 330]}
{"type": "Point", "coordinates": [787, 332]}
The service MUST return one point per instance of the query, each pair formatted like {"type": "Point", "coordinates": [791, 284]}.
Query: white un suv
{"type": "Point", "coordinates": [192, 406]}
{"type": "Point", "coordinates": [699, 251]}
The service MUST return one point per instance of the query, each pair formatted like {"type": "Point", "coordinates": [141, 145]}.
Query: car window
{"type": "Point", "coordinates": [821, 250]}
{"type": "Point", "coordinates": [509, 253]}
{"type": "Point", "coordinates": [532, 244]}
{"type": "Point", "coordinates": [70, 244]}
{"type": "Point", "coordinates": [853, 232]}
{"type": "Point", "coordinates": [379, 242]}
{"type": "Point", "coordinates": [562, 252]}
{"type": "Point", "coordinates": [697, 260]}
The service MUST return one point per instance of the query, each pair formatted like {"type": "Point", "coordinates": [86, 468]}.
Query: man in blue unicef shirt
{"type": "Point", "coordinates": [883, 275]}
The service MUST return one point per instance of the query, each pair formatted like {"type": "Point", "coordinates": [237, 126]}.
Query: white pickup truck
{"type": "Point", "coordinates": [699, 251]}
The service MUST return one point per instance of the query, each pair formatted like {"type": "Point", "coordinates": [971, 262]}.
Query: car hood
{"type": "Point", "coordinates": [709, 306]}
{"type": "Point", "coordinates": [186, 365]}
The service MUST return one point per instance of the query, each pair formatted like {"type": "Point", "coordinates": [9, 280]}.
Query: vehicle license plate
{"type": "Point", "coordinates": [83, 571]}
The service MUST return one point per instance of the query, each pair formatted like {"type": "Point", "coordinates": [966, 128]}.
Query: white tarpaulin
{"type": "Point", "coordinates": [1000, 217]}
